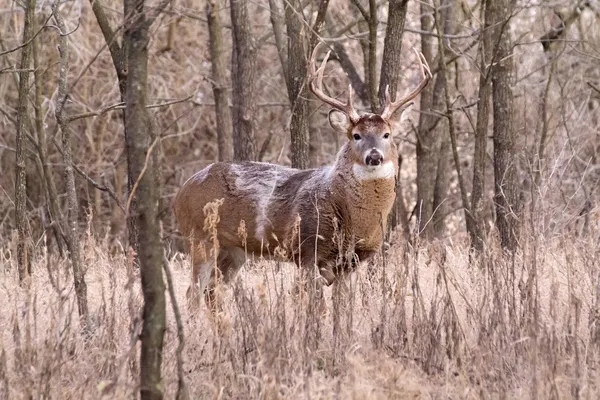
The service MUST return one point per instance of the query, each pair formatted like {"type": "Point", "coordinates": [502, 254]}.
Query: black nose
{"type": "Point", "coordinates": [374, 158]}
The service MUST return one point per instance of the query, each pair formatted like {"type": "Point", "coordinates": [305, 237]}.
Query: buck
{"type": "Point", "coordinates": [330, 218]}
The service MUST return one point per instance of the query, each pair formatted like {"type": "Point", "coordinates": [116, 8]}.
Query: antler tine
{"type": "Point", "coordinates": [392, 107]}
{"type": "Point", "coordinates": [348, 107]}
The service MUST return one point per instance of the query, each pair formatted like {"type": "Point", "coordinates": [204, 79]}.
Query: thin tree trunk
{"type": "Point", "coordinates": [219, 79]}
{"type": "Point", "coordinates": [429, 131]}
{"type": "Point", "coordinates": [243, 77]}
{"type": "Point", "coordinates": [23, 256]}
{"type": "Point", "coordinates": [42, 147]}
{"type": "Point", "coordinates": [71, 230]}
{"type": "Point", "coordinates": [392, 50]}
{"type": "Point", "coordinates": [442, 177]}
{"type": "Point", "coordinates": [341, 56]}
{"type": "Point", "coordinates": [141, 139]}
{"type": "Point", "coordinates": [481, 131]}
{"type": "Point", "coordinates": [443, 72]}
{"type": "Point", "coordinates": [117, 54]}
{"type": "Point", "coordinates": [505, 159]}
{"type": "Point", "coordinates": [371, 70]}
{"type": "Point", "coordinates": [295, 80]}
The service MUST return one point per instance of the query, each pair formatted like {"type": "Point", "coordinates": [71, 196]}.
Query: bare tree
{"type": "Point", "coordinates": [243, 79]}
{"type": "Point", "coordinates": [219, 79]}
{"type": "Point", "coordinates": [506, 197]}
{"type": "Point", "coordinates": [300, 38]}
{"type": "Point", "coordinates": [45, 173]}
{"type": "Point", "coordinates": [430, 132]}
{"type": "Point", "coordinates": [295, 80]}
{"type": "Point", "coordinates": [23, 256]}
{"type": "Point", "coordinates": [481, 132]}
{"type": "Point", "coordinates": [141, 139]}
{"type": "Point", "coordinates": [392, 49]}
{"type": "Point", "coordinates": [118, 56]}
{"type": "Point", "coordinates": [71, 229]}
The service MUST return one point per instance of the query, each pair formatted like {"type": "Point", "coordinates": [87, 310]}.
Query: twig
{"type": "Point", "coordinates": [121, 106]}
{"type": "Point", "coordinates": [590, 84]}
{"type": "Point", "coordinates": [26, 43]}
{"type": "Point", "coordinates": [182, 392]}
{"type": "Point", "coordinates": [139, 178]}
{"type": "Point", "coordinates": [98, 186]}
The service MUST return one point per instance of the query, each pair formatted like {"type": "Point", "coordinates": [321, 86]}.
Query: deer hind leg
{"type": "Point", "coordinates": [229, 261]}
{"type": "Point", "coordinates": [310, 283]}
{"type": "Point", "coordinates": [202, 265]}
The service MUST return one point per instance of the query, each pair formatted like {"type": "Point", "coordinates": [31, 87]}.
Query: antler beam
{"type": "Point", "coordinates": [317, 74]}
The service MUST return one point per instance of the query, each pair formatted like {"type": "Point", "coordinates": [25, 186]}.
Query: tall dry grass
{"type": "Point", "coordinates": [418, 322]}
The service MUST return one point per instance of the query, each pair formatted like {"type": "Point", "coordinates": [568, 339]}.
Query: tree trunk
{"type": "Point", "coordinates": [42, 147]}
{"type": "Point", "coordinates": [296, 82]}
{"type": "Point", "coordinates": [481, 129]}
{"type": "Point", "coordinates": [429, 131]}
{"type": "Point", "coordinates": [140, 142]}
{"type": "Point", "coordinates": [117, 54]}
{"type": "Point", "coordinates": [71, 229]}
{"type": "Point", "coordinates": [219, 79]}
{"type": "Point", "coordinates": [243, 77]}
{"type": "Point", "coordinates": [442, 177]}
{"type": "Point", "coordinates": [392, 50]}
{"type": "Point", "coordinates": [498, 12]}
{"type": "Point", "coordinates": [23, 256]}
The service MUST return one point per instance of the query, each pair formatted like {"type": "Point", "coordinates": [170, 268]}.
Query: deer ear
{"type": "Point", "coordinates": [338, 120]}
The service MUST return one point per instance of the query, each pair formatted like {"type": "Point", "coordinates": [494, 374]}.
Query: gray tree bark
{"type": "Point", "coordinates": [296, 83]}
{"type": "Point", "coordinates": [42, 147]}
{"type": "Point", "coordinates": [141, 138]}
{"type": "Point", "coordinates": [243, 79]}
{"type": "Point", "coordinates": [392, 50]}
{"type": "Point", "coordinates": [481, 131]}
{"type": "Point", "coordinates": [71, 228]}
{"type": "Point", "coordinates": [430, 131]}
{"type": "Point", "coordinates": [23, 249]}
{"type": "Point", "coordinates": [506, 195]}
{"type": "Point", "coordinates": [219, 80]}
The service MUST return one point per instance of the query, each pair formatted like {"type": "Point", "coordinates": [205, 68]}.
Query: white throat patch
{"type": "Point", "coordinates": [368, 172]}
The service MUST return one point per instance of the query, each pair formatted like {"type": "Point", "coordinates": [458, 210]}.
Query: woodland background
{"type": "Point", "coordinates": [490, 287]}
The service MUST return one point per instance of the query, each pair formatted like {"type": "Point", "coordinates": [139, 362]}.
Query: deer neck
{"type": "Point", "coordinates": [368, 195]}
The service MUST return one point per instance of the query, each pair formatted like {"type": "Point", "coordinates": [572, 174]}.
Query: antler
{"type": "Point", "coordinates": [392, 107]}
{"type": "Point", "coordinates": [348, 107]}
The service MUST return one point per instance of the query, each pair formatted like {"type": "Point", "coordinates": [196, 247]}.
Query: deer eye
{"type": "Point", "coordinates": [356, 136]}
{"type": "Point", "coordinates": [386, 136]}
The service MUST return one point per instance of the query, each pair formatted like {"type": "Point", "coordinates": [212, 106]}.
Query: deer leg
{"type": "Point", "coordinates": [229, 262]}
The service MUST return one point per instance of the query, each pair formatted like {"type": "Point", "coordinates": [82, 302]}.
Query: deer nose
{"type": "Point", "coordinates": [374, 158]}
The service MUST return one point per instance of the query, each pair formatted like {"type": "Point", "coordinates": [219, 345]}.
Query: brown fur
{"type": "Point", "coordinates": [341, 218]}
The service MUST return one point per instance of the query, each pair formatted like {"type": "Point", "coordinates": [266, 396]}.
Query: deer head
{"type": "Point", "coordinates": [370, 136]}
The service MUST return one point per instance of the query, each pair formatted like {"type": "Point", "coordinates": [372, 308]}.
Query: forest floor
{"type": "Point", "coordinates": [421, 323]}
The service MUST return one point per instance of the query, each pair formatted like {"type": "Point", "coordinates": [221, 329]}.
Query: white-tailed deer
{"type": "Point", "coordinates": [330, 217]}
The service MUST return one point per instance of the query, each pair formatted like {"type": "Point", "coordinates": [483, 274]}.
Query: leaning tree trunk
{"type": "Point", "coordinates": [498, 12]}
{"type": "Point", "coordinates": [219, 80]}
{"type": "Point", "coordinates": [71, 229]}
{"type": "Point", "coordinates": [23, 256]}
{"type": "Point", "coordinates": [117, 53]}
{"type": "Point", "coordinates": [243, 77]}
{"type": "Point", "coordinates": [140, 142]}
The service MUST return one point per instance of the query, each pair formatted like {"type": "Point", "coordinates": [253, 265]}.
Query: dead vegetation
{"type": "Point", "coordinates": [421, 322]}
{"type": "Point", "coordinates": [424, 320]}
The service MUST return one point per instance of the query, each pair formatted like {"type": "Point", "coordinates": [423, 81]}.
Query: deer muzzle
{"type": "Point", "coordinates": [374, 158]}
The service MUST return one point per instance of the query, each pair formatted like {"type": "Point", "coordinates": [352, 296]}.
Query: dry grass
{"type": "Point", "coordinates": [423, 323]}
